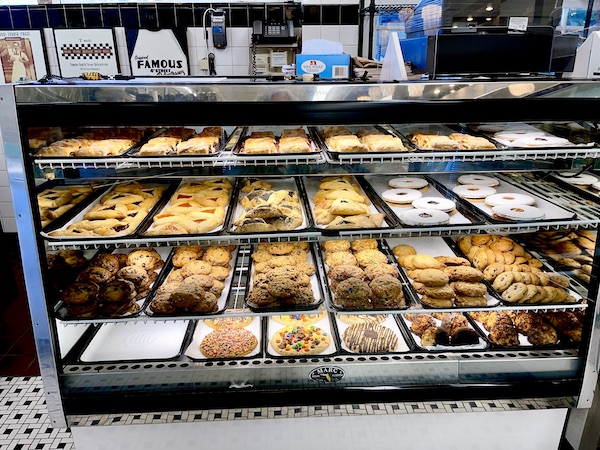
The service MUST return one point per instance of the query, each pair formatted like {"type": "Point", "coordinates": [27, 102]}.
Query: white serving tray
{"type": "Point", "coordinates": [69, 335]}
{"type": "Point", "coordinates": [324, 324]}
{"type": "Point", "coordinates": [389, 322]}
{"type": "Point", "coordinates": [444, 348]}
{"type": "Point", "coordinates": [136, 341]}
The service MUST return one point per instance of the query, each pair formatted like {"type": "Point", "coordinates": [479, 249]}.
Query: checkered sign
{"type": "Point", "coordinates": [87, 51]}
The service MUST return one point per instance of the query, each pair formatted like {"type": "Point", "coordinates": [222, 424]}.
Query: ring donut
{"type": "Point", "coordinates": [439, 203]}
{"type": "Point", "coordinates": [583, 179]}
{"type": "Point", "coordinates": [401, 196]}
{"type": "Point", "coordinates": [517, 212]}
{"type": "Point", "coordinates": [424, 217]}
{"type": "Point", "coordinates": [478, 179]}
{"type": "Point", "coordinates": [408, 183]}
{"type": "Point", "coordinates": [473, 191]}
{"type": "Point", "coordinates": [509, 199]}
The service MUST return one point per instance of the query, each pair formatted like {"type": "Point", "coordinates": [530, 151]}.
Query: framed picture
{"type": "Point", "coordinates": [86, 50]}
{"type": "Point", "coordinates": [22, 56]}
{"type": "Point", "coordinates": [160, 53]}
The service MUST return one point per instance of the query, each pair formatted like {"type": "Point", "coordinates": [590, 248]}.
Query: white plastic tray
{"type": "Point", "coordinates": [389, 322]}
{"type": "Point", "coordinates": [324, 324]}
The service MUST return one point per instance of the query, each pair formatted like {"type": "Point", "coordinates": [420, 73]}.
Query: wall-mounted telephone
{"type": "Point", "coordinates": [273, 32]}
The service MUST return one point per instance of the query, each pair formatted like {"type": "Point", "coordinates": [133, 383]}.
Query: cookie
{"type": "Point", "coordinates": [437, 302]}
{"type": "Point", "coordinates": [370, 338]}
{"type": "Point", "coordinates": [453, 261]}
{"type": "Point", "coordinates": [281, 287]}
{"type": "Point", "coordinates": [371, 256]}
{"type": "Point", "coordinates": [387, 292]}
{"type": "Point", "coordinates": [219, 273]}
{"type": "Point", "coordinates": [336, 246]}
{"type": "Point", "coordinates": [183, 256]}
{"type": "Point", "coordinates": [465, 301]}
{"type": "Point", "coordinates": [340, 259]}
{"type": "Point", "coordinates": [80, 292]}
{"type": "Point", "coordinates": [440, 292]}
{"type": "Point", "coordinates": [431, 277]}
{"type": "Point", "coordinates": [136, 274]}
{"type": "Point", "coordinates": [299, 319]}
{"type": "Point", "coordinates": [353, 293]}
{"type": "Point", "coordinates": [300, 340]}
{"type": "Point", "coordinates": [515, 292]}
{"type": "Point", "coordinates": [197, 267]}
{"type": "Point", "coordinates": [228, 343]}
{"type": "Point", "coordinates": [277, 248]}
{"type": "Point", "coordinates": [375, 270]}
{"type": "Point", "coordinates": [106, 261]}
{"type": "Point", "coordinates": [117, 291]}
{"type": "Point", "coordinates": [343, 272]}
{"type": "Point", "coordinates": [463, 273]}
{"type": "Point", "coordinates": [403, 250]}
{"type": "Point", "coordinates": [351, 319]}
{"type": "Point", "coordinates": [469, 289]}
{"type": "Point", "coordinates": [364, 244]}
{"type": "Point", "coordinates": [96, 275]}
{"type": "Point", "coordinates": [217, 256]}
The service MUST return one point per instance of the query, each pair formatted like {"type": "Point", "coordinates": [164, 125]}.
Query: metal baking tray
{"type": "Point", "coordinates": [146, 135]}
{"type": "Point", "coordinates": [98, 189]}
{"type": "Point", "coordinates": [549, 129]}
{"type": "Point", "coordinates": [587, 192]}
{"type": "Point", "coordinates": [461, 215]}
{"type": "Point", "coordinates": [436, 246]}
{"type": "Point", "coordinates": [221, 301]}
{"type": "Point", "coordinates": [523, 342]}
{"type": "Point", "coordinates": [416, 340]}
{"type": "Point", "coordinates": [442, 130]}
{"type": "Point", "coordinates": [409, 294]}
{"type": "Point", "coordinates": [148, 223]}
{"type": "Point", "coordinates": [227, 131]}
{"type": "Point", "coordinates": [377, 206]}
{"type": "Point", "coordinates": [201, 330]}
{"type": "Point", "coordinates": [169, 186]}
{"type": "Point", "coordinates": [271, 327]}
{"type": "Point", "coordinates": [315, 284]}
{"type": "Point", "coordinates": [552, 211]}
{"type": "Point", "coordinates": [137, 341]}
{"type": "Point", "coordinates": [403, 345]}
{"type": "Point", "coordinates": [165, 254]}
{"type": "Point", "coordinates": [316, 131]}
{"type": "Point", "coordinates": [288, 183]}
{"type": "Point", "coordinates": [238, 149]}
{"type": "Point", "coordinates": [545, 268]}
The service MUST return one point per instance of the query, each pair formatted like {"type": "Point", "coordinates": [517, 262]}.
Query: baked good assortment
{"type": "Point", "coordinates": [54, 202]}
{"type": "Point", "coordinates": [196, 207]}
{"type": "Point", "coordinates": [340, 203]}
{"type": "Point", "coordinates": [281, 277]}
{"type": "Point", "coordinates": [442, 281]}
{"type": "Point", "coordinates": [513, 272]}
{"type": "Point", "coordinates": [265, 209]}
{"type": "Point", "coordinates": [570, 251]}
{"type": "Point", "coordinates": [514, 328]}
{"type": "Point", "coordinates": [453, 141]}
{"type": "Point", "coordinates": [291, 140]}
{"type": "Point", "coordinates": [196, 281]}
{"type": "Point", "coordinates": [206, 142]}
{"type": "Point", "coordinates": [341, 139]}
{"type": "Point", "coordinates": [442, 330]}
{"type": "Point", "coordinates": [166, 143]}
{"type": "Point", "coordinates": [97, 142]}
{"type": "Point", "coordinates": [118, 212]}
{"type": "Point", "coordinates": [110, 284]}
{"type": "Point", "coordinates": [362, 277]}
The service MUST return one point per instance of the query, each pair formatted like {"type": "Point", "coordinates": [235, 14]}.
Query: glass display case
{"type": "Point", "coordinates": [137, 214]}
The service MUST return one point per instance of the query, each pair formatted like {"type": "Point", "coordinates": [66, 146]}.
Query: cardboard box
{"type": "Point", "coordinates": [326, 66]}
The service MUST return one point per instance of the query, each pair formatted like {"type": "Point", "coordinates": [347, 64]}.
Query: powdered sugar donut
{"type": "Point", "coordinates": [478, 179]}
{"type": "Point", "coordinates": [439, 203]}
{"type": "Point", "coordinates": [473, 191]}
{"type": "Point", "coordinates": [518, 212]}
{"type": "Point", "coordinates": [402, 196]}
{"type": "Point", "coordinates": [540, 141]}
{"type": "Point", "coordinates": [424, 217]}
{"type": "Point", "coordinates": [408, 183]}
{"type": "Point", "coordinates": [510, 199]}
{"type": "Point", "coordinates": [583, 179]}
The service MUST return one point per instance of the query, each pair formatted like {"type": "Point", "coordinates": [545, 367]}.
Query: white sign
{"type": "Point", "coordinates": [158, 53]}
{"type": "Point", "coordinates": [86, 50]}
{"type": "Point", "coordinates": [22, 56]}
{"type": "Point", "coordinates": [518, 23]}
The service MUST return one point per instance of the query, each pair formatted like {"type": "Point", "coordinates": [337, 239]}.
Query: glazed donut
{"type": "Point", "coordinates": [508, 198]}
{"type": "Point", "coordinates": [583, 179]}
{"type": "Point", "coordinates": [478, 179]}
{"type": "Point", "coordinates": [540, 141]}
{"type": "Point", "coordinates": [513, 135]}
{"type": "Point", "coordinates": [439, 203]}
{"type": "Point", "coordinates": [518, 212]}
{"type": "Point", "coordinates": [473, 191]}
{"type": "Point", "coordinates": [402, 196]}
{"type": "Point", "coordinates": [408, 183]}
{"type": "Point", "coordinates": [424, 217]}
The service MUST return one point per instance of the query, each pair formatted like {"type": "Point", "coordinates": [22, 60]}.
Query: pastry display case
{"type": "Point", "coordinates": [354, 243]}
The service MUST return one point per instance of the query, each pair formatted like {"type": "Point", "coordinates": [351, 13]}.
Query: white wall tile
{"type": "Point", "coordinates": [5, 194]}
{"type": "Point", "coordinates": [349, 34]}
{"type": "Point", "coordinates": [330, 32]}
{"type": "Point", "coordinates": [9, 225]}
{"type": "Point", "coordinates": [54, 69]}
{"type": "Point", "coordinates": [351, 50]}
{"type": "Point", "coordinates": [190, 34]}
{"type": "Point", "coordinates": [6, 210]}
{"type": "Point", "coordinates": [223, 57]}
{"type": "Point", "coordinates": [311, 32]}
{"type": "Point", "coordinates": [49, 38]}
{"type": "Point", "coordinates": [241, 71]}
{"type": "Point", "coordinates": [240, 37]}
{"type": "Point", "coordinates": [2, 159]}
{"type": "Point", "coordinates": [3, 178]}
{"type": "Point", "coordinates": [51, 57]}
{"type": "Point", "coordinates": [224, 71]}
{"type": "Point", "coordinates": [240, 56]}
{"type": "Point", "coordinates": [194, 70]}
